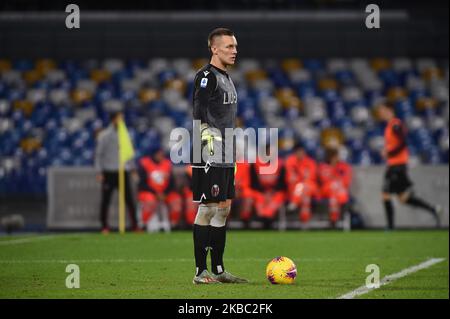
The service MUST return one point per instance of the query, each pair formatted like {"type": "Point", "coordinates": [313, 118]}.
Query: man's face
{"type": "Point", "coordinates": [300, 153]}
{"type": "Point", "coordinates": [384, 113]}
{"type": "Point", "coordinates": [334, 159]}
{"type": "Point", "coordinates": [117, 118]}
{"type": "Point", "coordinates": [159, 155]}
{"type": "Point", "coordinates": [225, 47]}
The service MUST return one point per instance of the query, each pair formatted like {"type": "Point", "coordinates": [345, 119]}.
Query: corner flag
{"type": "Point", "coordinates": [126, 152]}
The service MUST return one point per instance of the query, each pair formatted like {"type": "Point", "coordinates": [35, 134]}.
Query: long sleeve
{"type": "Point", "coordinates": [99, 150]}
{"type": "Point", "coordinates": [143, 185]}
{"type": "Point", "coordinates": [204, 87]}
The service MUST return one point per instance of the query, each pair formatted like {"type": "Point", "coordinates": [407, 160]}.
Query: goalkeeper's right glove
{"type": "Point", "coordinates": [208, 137]}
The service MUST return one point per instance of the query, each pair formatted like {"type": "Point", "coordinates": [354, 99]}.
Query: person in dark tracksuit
{"type": "Point", "coordinates": [107, 167]}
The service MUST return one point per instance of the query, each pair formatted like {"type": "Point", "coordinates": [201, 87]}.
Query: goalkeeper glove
{"type": "Point", "coordinates": [208, 137]}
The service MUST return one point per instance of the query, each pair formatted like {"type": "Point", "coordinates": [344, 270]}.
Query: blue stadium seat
{"type": "Point", "coordinates": [404, 109]}
{"type": "Point", "coordinates": [306, 90]}
{"type": "Point", "coordinates": [345, 77]}
{"type": "Point", "coordinates": [329, 95]}
{"type": "Point", "coordinates": [279, 78]}
{"type": "Point", "coordinates": [390, 78]}
{"type": "Point", "coordinates": [349, 94]}
{"type": "Point", "coordinates": [165, 76]}
{"type": "Point", "coordinates": [23, 65]}
{"type": "Point", "coordinates": [313, 65]}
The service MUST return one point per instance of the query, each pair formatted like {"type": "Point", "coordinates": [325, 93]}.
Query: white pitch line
{"type": "Point", "coordinates": [167, 260]}
{"type": "Point", "coordinates": [390, 278]}
{"type": "Point", "coordinates": [121, 260]}
{"type": "Point", "coordinates": [25, 240]}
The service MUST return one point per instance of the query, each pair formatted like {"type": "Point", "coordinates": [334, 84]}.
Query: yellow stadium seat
{"type": "Point", "coordinates": [432, 73]}
{"type": "Point", "coordinates": [25, 106]}
{"type": "Point", "coordinates": [100, 75]}
{"type": "Point", "coordinates": [284, 93]}
{"type": "Point", "coordinates": [294, 102]}
{"type": "Point", "coordinates": [331, 137]}
{"type": "Point", "coordinates": [32, 76]}
{"type": "Point", "coordinates": [45, 65]}
{"type": "Point", "coordinates": [288, 98]}
{"type": "Point", "coordinates": [80, 95]}
{"type": "Point", "coordinates": [328, 84]}
{"type": "Point", "coordinates": [396, 93]}
{"type": "Point", "coordinates": [239, 122]}
{"type": "Point", "coordinates": [376, 114]}
{"type": "Point", "coordinates": [30, 144]}
{"type": "Point", "coordinates": [255, 75]}
{"type": "Point", "coordinates": [5, 65]}
{"type": "Point", "coordinates": [148, 95]}
{"type": "Point", "coordinates": [291, 64]}
{"type": "Point", "coordinates": [426, 103]}
{"type": "Point", "coordinates": [379, 64]}
{"type": "Point", "coordinates": [176, 84]}
{"type": "Point", "coordinates": [199, 63]}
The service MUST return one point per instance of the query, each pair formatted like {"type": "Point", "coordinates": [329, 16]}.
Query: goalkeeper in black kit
{"type": "Point", "coordinates": [213, 164]}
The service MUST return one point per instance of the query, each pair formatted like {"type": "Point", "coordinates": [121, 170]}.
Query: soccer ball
{"type": "Point", "coordinates": [281, 270]}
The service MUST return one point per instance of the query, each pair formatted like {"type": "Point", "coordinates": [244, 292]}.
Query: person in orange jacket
{"type": "Point", "coordinates": [335, 178]}
{"type": "Point", "coordinates": [301, 180]}
{"type": "Point", "coordinates": [396, 179]}
{"type": "Point", "coordinates": [268, 189]}
{"type": "Point", "coordinates": [156, 186]}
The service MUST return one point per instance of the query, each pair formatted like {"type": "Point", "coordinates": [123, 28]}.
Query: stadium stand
{"type": "Point", "coordinates": [50, 111]}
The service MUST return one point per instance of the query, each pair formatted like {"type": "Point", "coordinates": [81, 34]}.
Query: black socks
{"type": "Point", "coordinates": [201, 246]}
{"type": "Point", "coordinates": [417, 202]}
{"type": "Point", "coordinates": [389, 209]}
{"type": "Point", "coordinates": [217, 243]}
{"type": "Point", "coordinates": [412, 201]}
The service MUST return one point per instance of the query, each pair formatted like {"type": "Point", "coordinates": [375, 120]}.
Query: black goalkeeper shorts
{"type": "Point", "coordinates": [396, 180]}
{"type": "Point", "coordinates": [213, 185]}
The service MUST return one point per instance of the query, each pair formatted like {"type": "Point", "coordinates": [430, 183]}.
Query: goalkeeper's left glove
{"type": "Point", "coordinates": [208, 137]}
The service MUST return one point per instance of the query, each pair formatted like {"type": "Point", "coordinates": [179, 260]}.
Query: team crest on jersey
{"type": "Point", "coordinates": [215, 190]}
{"type": "Point", "coordinates": [204, 82]}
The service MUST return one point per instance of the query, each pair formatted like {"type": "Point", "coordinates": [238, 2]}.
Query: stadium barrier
{"type": "Point", "coordinates": [74, 198]}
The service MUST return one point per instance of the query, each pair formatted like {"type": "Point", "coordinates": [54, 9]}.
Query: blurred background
{"type": "Point", "coordinates": [310, 68]}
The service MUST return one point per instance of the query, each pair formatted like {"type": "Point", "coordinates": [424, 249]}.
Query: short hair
{"type": "Point", "coordinates": [298, 146]}
{"type": "Point", "coordinates": [113, 115]}
{"type": "Point", "coordinates": [217, 33]}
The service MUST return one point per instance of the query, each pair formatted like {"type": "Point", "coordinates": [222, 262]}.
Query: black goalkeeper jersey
{"type": "Point", "coordinates": [215, 103]}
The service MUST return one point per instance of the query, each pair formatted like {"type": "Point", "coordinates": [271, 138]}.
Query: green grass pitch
{"type": "Point", "coordinates": [330, 264]}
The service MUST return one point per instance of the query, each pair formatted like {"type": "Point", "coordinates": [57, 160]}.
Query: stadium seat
{"type": "Point", "coordinates": [50, 111]}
